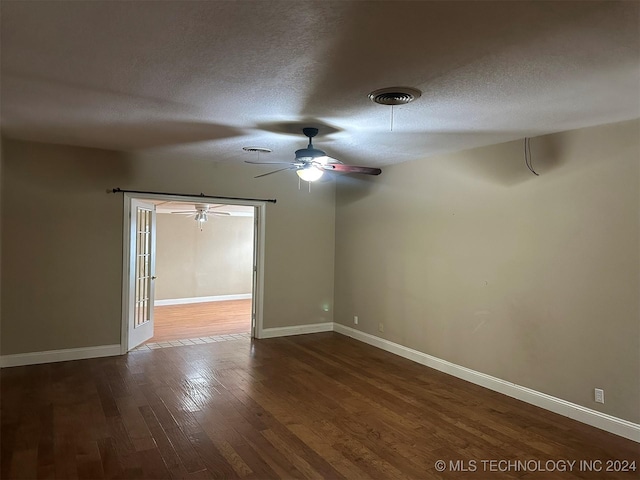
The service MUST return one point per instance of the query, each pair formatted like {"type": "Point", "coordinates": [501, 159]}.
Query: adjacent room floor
{"type": "Point", "coordinates": [308, 406]}
{"type": "Point", "coordinates": [198, 320]}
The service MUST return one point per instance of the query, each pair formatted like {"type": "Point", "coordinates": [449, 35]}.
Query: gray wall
{"type": "Point", "coordinates": [534, 280]}
{"type": "Point", "coordinates": [216, 260]}
{"type": "Point", "coordinates": [62, 240]}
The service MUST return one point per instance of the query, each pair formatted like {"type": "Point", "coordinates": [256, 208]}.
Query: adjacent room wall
{"type": "Point", "coordinates": [472, 259]}
{"type": "Point", "coordinates": [214, 261]}
{"type": "Point", "coordinates": [62, 240]}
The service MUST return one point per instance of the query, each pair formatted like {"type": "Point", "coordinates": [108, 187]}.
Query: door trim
{"type": "Point", "coordinates": [259, 232]}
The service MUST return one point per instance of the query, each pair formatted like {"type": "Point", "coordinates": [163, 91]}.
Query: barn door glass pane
{"type": "Point", "coordinates": [142, 313]}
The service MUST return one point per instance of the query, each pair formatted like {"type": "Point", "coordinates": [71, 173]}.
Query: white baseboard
{"type": "Point", "coordinates": [577, 412]}
{"type": "Point", "coordinates": [296, 330]}
{"type": "Point", "coordinates": [213, 298]}
{"type": "Point", "coordinates": [52, 356]}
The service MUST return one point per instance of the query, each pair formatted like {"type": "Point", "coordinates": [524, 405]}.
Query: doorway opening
{"type": "Point", "coordinates": [204, 274]}
{"type": "Point", "coordinates": [193, 269]}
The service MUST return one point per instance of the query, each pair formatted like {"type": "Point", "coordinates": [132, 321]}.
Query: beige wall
{"type": "Point", "coordinates": [472, 259]}
{"type": "Point", "coordinates": [1, 183]}
{"type": "Point", "coordinates": [467, 257]}
{"type": "Point", "coordinates": [62, 240]}
{"type": "Point", "coordinates": [216, 260]}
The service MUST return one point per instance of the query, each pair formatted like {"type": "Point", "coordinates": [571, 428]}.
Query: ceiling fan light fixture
{"type": "Point", "coordinates": [310, 163]}
{"type": "Point", "coordinates": [394, 95]}
{"type": "Point", "coordinates": [201, 217]}
{"type": "Point", "coordinates": [310, 173]}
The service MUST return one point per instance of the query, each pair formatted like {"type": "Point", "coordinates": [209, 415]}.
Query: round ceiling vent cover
{"type": "Point", "coordinates": [394, 95]}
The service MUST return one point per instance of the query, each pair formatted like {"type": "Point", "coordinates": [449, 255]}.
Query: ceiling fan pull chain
{"type": "Point", "coordinates": [391, 129]}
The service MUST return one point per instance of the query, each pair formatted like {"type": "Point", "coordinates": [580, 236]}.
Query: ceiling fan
{"type": "Point", "coordinates": [311, 163]}
{"type": "Point", "coordinates": [202, 212]}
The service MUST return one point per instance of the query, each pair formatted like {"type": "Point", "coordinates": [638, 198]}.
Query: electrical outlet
{"type": "Point", "coordinates": [599, 394]}
{"type": "Point", "coordinates": [381, 327]}
{"type": "Point", "coordinates": [355, 319]}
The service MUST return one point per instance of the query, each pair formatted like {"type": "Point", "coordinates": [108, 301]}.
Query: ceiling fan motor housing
{"type": "Point", "coordinates": [310, 132]}
{"type": "Point", "coordinates": [308, 154]}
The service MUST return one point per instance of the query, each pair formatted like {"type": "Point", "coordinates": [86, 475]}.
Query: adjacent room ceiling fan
{"type": "Point", "coordinates": [202, 212]}
{"type": "Point", "coordinates": [311, 163]}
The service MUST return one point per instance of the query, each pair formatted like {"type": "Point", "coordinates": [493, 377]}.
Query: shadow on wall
{"type": "Point", "coordinates": [61, 236]}
{"type": "Point", "coordinates": [71, 169]}
{"type": "Point", "coordinates": [509, 170]}
{"type": "Point", "coordinates": [357, 187]}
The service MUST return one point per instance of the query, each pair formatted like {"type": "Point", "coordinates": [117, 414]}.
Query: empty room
{"type": "Point", "coordinates": [320, 239]}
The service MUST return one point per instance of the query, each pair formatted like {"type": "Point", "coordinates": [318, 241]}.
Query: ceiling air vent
{"type": "Point", "coordinates": [394, 95]}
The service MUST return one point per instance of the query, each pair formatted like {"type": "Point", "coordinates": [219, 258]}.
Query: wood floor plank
{"type": "Point", "coordinates": [214, 461]}
{"type": "Point", "coordinates": [259, 466]}
{"type": "Point", "coordinates": [121, 442]}
{"type": "Point", "coordinates": [308, 407]}
{"type": "Point", "coordinates": [134, 423]}
{"type": "Point", "coordinates": [88, 461]}
{"type": "Point", "coordinates": [302, 457]}
{"type": "Point", "coordinates": [233, 459]}
{"type": "Point", "coordinates": [279, 463]}
{"type": "Point", "coordinates": [24, 464]}
{"type": "Point", "coordinates": [167, 452]}
{"type": "Point", "coordinates": [152, 465]}
{"type": "Point", "coordinates": [7, 447]}
{"type": "Point", "coordinates": [185, 450]}
{"type": "Point", "coordinates": [46, 455]}
{"type": "Point", "coordinates": [323, 448]}
{"type": "Point", "coordinates": [109, 458]}
{"type": "Point", "coordinates": [65, 457]}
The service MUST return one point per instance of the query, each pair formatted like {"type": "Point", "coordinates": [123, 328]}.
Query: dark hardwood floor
{"type": "Point", "coordinates": [310, 406]}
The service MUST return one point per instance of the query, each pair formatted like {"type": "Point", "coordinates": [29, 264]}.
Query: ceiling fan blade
{"type": "Point", "coordinates": [333, 161]}
{"type": "Point", "coordinates": [267, 163]}
{"type": "Point", "coordinates": [220, 214]}
{"type": "Point", "coordinates": [275, 171]}
{"type": "Point", "coordinates": [182, 212]}
{"type": "Point", "coordinates": [352, 169]}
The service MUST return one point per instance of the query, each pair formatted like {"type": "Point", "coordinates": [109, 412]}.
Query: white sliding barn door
{"type": "Point", "coordinates": [142, 260]}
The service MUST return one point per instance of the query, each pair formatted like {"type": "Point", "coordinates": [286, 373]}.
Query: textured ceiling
{"type": "Point", "coordinates": [209, 77]}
